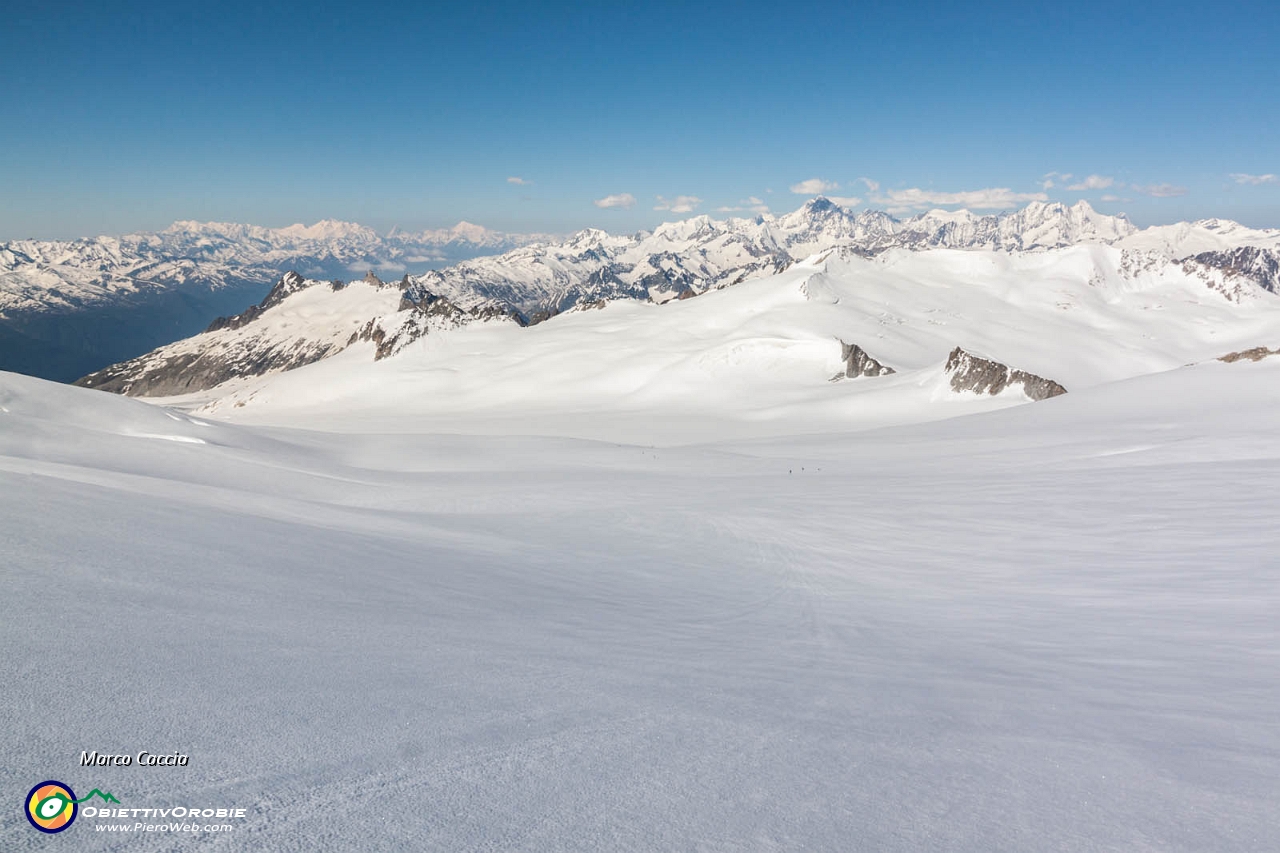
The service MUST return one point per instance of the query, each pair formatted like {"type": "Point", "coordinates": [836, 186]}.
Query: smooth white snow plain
{"type": "Point", "coordinates": [1039, 627]}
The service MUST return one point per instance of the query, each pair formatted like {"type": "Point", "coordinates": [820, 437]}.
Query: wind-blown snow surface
{"type": "Point", "coordinates": [1049, 627]}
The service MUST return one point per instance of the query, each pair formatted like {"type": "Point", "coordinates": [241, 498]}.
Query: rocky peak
{"type": "Point", "coordinates": [858, 362]}
{"type": "Point", "coordinates": [821, 206]}
{"type": "Point", "coordinates": [1255, 354]}
{"type": "Point", "coordinates": [289, 284]}
{"type": "Point", "coordinates": [969, 372]}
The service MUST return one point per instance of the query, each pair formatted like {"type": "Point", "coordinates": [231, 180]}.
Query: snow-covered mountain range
{"type": "Point", "coordinates": [67, 307]}
{"type": "Point", "coordinates": [1032, 269]}
{"type": "Point", "coordinates": [51, 274]}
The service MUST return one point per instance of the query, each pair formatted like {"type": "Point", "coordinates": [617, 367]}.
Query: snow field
{"type": "Point", "coordinates": [1048, 627]}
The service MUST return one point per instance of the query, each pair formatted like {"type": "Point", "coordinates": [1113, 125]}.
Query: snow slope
{"type": "Point", "coordinates": [757, 359]}
{"type": "Point", "coordinates": [1050, 627]}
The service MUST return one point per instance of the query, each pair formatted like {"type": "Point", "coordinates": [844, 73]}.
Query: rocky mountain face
{"type": "Point", "coordinates": [1252, 354]}
{"type": "Point", "coordinates": [969, 372]}
{"type": "Point", "coordinates": [964, 371]}
{"type": "Point", "coordinates": [1245, 264]}
{"type": "Point", "coordinates": [857, 362]}
{"type": "Point", "coordinates": [298, 322]}
{"type": "Point", "coordinates": [677, 260]}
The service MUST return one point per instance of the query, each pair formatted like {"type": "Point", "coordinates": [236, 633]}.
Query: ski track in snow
{"type": "Point", "coordinates": [1047, 627]}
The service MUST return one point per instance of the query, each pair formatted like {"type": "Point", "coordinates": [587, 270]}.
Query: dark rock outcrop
{"type": "Point", "coordinates": [669, 280]}
{"type": "Point", "coordinates": [183, 373]}
{"type": "Point", "coordinates": [542, 315]}
{"type": "Point", "coordinates": [431, 312]}
{"type": "Point", "coordinates": [289, 284]}
{"type": "Point", "coordinates": [858, 362]}
{"type": "Point", "coordinates": [969, 372]}
{"type": "Point", "coordinates": [1250, 263]}
{"type": "Point", "coordinates": [1255, 354]}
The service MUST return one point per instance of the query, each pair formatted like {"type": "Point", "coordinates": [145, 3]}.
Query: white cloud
{"type": "Point", "coordinates": [1160, 190]}
{"type": "Point", "coordinates": [845, 201]}
{"type": "Point", "coordinates": [1255, 180]}
{"type": "Point", "coordinates": [520, 182]}
{"type": "Point", "coordinates": [873, 187]}
{"type": "Point", "coordinates": [1109, 197]}
{"type": "Point", "coordinates": [679, 204]}
{"type": "Point", "coordinates": [379, 266]}
{"type": "Point", "coordinates": [750, 204]}
{"type": "Point", "coordinates": [813, 186]}
{"type": "Point", "coordinates": [623, 200]}
{"type": "Point", "coordinates": [902, 201]}
{"type": "Point", "coordinates": [1049, 180]}
{"type": "Point", "coordinates": [1093, 182]}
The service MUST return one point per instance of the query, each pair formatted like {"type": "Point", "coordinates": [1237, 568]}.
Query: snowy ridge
{"type": "Point", "coordinates": [685, 259]}
{"type": "Point", "coordinates": [1184, 239]}
{"type": "Point", "coordinates": [745, 360]}
{"type": "Point", "coordinates": [698, 253]}
{"type": "Point", "coordinates": [681, 259]}
{"type": "Point", "coordinates": [70, 307]}
{"type": "Point", "coordinates": [299, 322]}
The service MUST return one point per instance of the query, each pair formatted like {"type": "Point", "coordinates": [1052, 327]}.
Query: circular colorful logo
{"type": "Point", "coordinates": [51, 806]}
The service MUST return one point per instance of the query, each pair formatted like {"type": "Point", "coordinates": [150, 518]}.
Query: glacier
{"type": "Point", "coordinates": [1040, 627]}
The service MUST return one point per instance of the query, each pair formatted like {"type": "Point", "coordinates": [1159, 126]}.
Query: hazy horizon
{"type": "Point", "coordinates": [715, 215]}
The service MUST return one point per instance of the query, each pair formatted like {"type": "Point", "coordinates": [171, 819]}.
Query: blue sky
{"type": "Point", "coordinates": [127, 116]}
